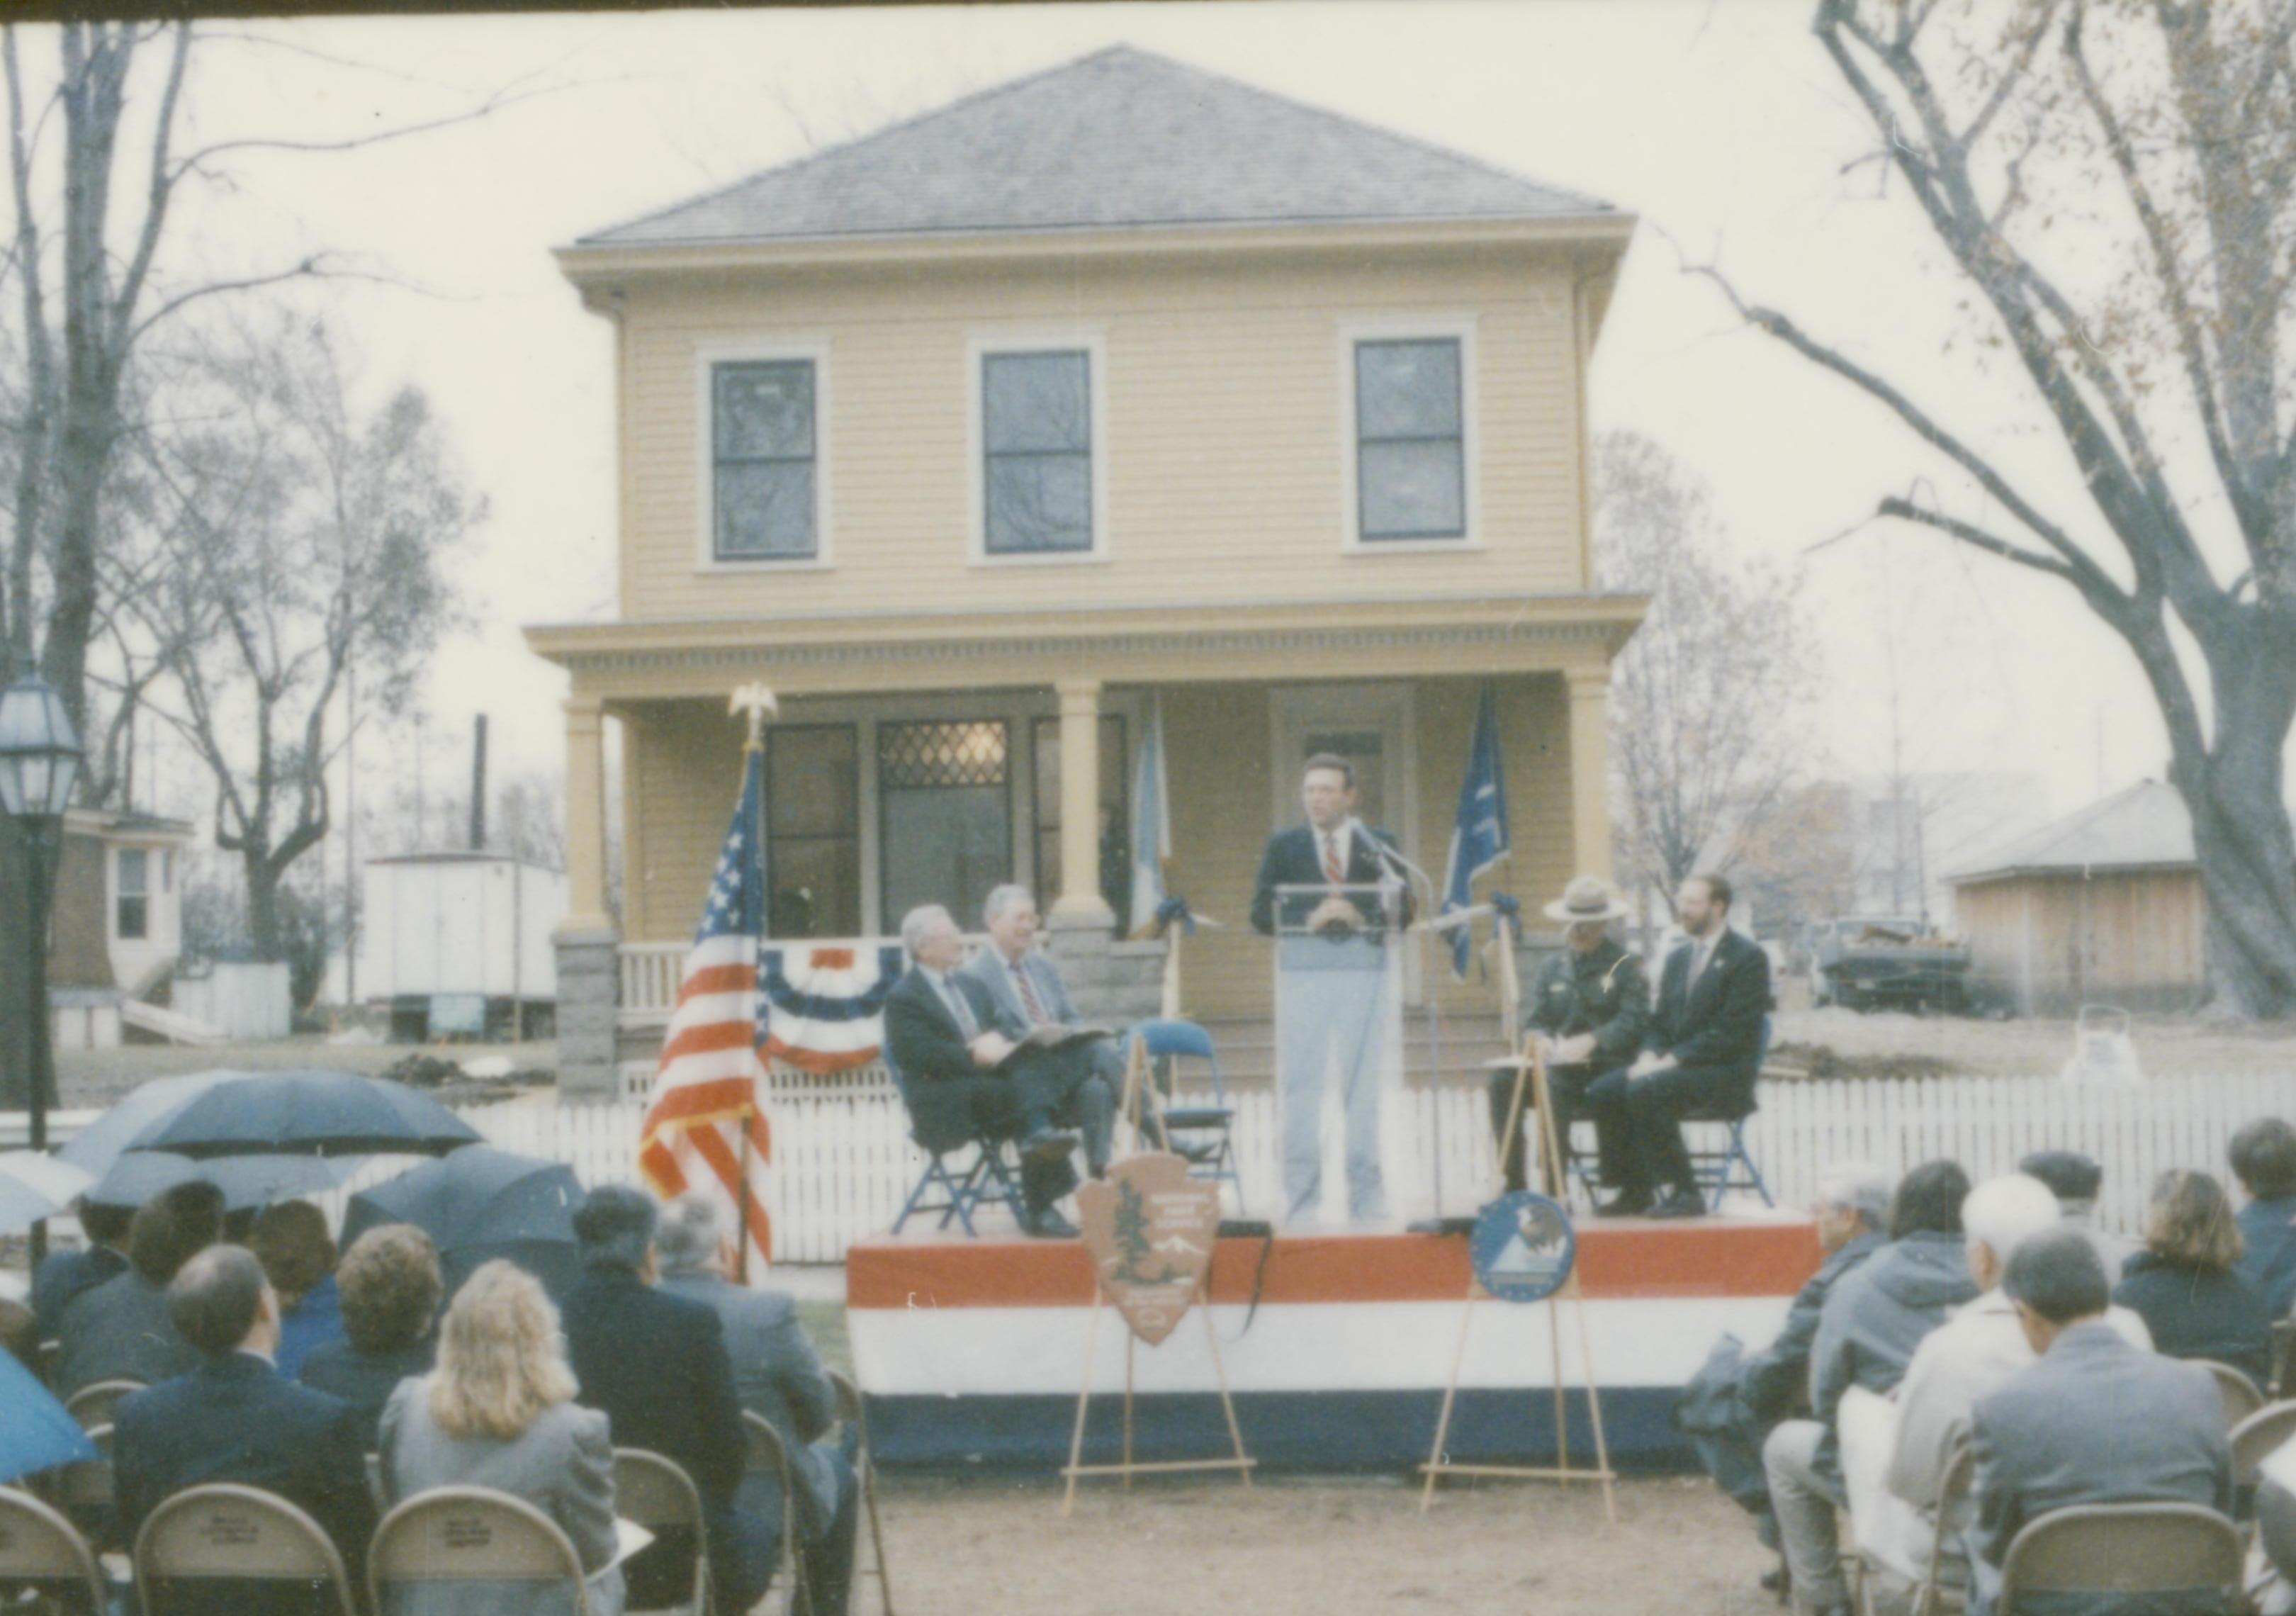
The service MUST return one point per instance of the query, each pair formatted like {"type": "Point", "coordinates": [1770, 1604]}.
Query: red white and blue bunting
{"type": "Point", "coordinates": [822, 1009]}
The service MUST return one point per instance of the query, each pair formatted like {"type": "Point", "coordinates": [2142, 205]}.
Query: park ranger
{"type": "Point", "coordinates": [1591, 1004]}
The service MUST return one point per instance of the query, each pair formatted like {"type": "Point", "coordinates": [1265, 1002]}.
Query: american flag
{"type": "Point", "coordinates": [706, 1126]}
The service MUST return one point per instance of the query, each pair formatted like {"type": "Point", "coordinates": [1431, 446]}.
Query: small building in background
{"type": "Point", "coordinates": [116, 927]}
{"type": "Point", "coordinates": [2101, 907]}
{"type": "Point", "coordinates": [458, 945]}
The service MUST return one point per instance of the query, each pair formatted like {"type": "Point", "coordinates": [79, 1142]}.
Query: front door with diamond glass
{"type": "Point", "coordinates": [945, 815]}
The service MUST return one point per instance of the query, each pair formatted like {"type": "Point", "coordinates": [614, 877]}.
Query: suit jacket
{"type": "Point", "coordinates": [2094, 1422]}
{"type": "Point", "coordinates": [986, 971]}
{"type": "Point", "coordinates": [1291, 859]}
{"type": "Point", "coordinates": [930, 1056]}
{"type": "Point", "coordinates": [66, 1276]}
{"type": "Point", "coordinates": [234, 1419]}
{"type": "Point", "coordinates": [365, 1380]}
{"type": "Point", "coordinates": [656, 1364]}
{"type": "Point", "coordinates": [2200, 1313]}
{"type": "Point", "coordinates": [779, 1377]}
{"type": "Point", "coordinates": [1716, 1022]}
{"type": "Point", "coordinates": [562, 1463]}
{"type": "Point", "coordinates": [120, 1331]}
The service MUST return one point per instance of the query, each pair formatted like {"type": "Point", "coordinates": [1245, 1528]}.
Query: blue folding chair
{"type": "Point", "coordinates": [1732, 1167]}
{"type": "Point", "coordinates": [1202, 1134]}
{"type": "Point", "coordinates": [983, 1178]}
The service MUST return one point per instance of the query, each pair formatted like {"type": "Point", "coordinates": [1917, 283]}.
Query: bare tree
{"type": "Point", "coordinates": [308, 540]}
{"type": "Point", "coordinates": [2113, 180]}
{"type": "Point", "coordinates": [1706, 700]}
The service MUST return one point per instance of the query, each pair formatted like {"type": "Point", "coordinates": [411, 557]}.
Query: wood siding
{"type": "Point", "coordinates": [1225, 446]}
{"type": "Point", "coordinates": [2048, 944]}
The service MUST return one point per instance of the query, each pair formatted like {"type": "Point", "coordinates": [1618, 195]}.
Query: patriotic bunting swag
{"type": "Point", "coordinates": [823, 1007]}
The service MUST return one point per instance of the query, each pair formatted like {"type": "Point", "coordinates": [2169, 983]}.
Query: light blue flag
{"type": "Point", "coordinates": [1152, 827]}
{"type": "Point", "coordinates": [1479, 839]}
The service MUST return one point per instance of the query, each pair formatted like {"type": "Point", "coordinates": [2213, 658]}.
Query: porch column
{"type": "Point", "coordinates": [1590, 768]}
{"type": "Point", "coordinates": [1080, 903]}
{"type": "Point", "coordinates": [589, 968]}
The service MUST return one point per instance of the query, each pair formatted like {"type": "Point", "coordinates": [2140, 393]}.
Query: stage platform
{"type": "Point", "coordinates": [1336, 1346]}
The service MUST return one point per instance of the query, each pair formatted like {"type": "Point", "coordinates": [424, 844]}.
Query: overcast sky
{"type": "Point", "coordinates": [1720, 125]}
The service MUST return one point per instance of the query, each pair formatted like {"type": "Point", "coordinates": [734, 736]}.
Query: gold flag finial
{"type": "Point", "coordinates": [758, 702]}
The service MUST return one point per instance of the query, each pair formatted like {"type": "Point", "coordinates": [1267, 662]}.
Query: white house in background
{"type": "Point", "coordinates": [116, 924]}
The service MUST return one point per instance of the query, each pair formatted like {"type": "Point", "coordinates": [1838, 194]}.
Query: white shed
{"type": "Point", "coordinates": [460, 942]}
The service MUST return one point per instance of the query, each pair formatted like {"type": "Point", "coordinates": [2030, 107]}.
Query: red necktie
{"type": "Point", "coordinates": [1335, 871]}
{"type": "Point", "coordinates": [1028, 999]}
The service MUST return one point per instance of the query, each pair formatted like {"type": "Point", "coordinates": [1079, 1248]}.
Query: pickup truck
{"type": "Point", "coordinates": [1874, 962]}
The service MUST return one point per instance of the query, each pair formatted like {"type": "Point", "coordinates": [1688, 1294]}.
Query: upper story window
{"type": "Point", "coordinates": [132, 914]}
{"type": "Point", "coordinates": [764, 464]}
{"type": "Point", "coordinates": [1412, 439]}
{"type": "Point", "coordinates": [1040, 449]}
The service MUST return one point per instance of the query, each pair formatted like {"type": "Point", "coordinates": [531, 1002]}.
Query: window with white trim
{"type": "Point", "coordinates": [1037, 449]}
{"type": "Point", "coordinates": [1410, 439]}
{"type": "Point", "coordinates": [132, 914]}
{"type": "Point", "coordinates": [764, 495]}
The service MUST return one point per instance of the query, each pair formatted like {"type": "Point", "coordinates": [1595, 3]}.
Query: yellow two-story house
{"type": "Point", "coordinates": [1121, 386]}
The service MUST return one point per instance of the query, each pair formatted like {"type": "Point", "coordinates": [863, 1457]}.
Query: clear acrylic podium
{"type": "Point", "coordinates": [1338, 1045]}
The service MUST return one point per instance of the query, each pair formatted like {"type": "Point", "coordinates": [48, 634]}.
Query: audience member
{"type": "Point", "coordinates": [778, 1377]}
{"type": "Point", "coordinates": [2184, 1282]}
{"type": "Point", "coordinates": [1906, 1445]}
{"type": "Point", "coordinates": [20, 1334]}
{"type": "Point", "coordinates": [2095, 1421]}
{"type": "Point", "coordinates": [2076, 1180]}
{"type": "Point", "coordinates": [234, 1419]}
{"type": "Point", "coordinates": [2264, 1161]}
{"type": "Point", "coordinates": [291, 1240]}
{"type": "Point", "coordinates": [66, 1275]}
{"type": "Point", "coordinates": [657, 1366]}
{"type": "Point", "coordinates": [122, 1329]}
{"type": "Point", "coordinates": [391, 1286]}
{"type": "Point", "coordinates": [1872, 1320]}
{"type": "Point", "coordinates": [499, 1411]}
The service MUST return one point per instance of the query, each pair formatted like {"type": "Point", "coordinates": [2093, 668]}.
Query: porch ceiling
{"type": "Point", "coordinates": [807, 655]}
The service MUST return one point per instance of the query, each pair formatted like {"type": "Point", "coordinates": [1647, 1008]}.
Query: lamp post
{"type": "Point", "coordinates": [39, 765]}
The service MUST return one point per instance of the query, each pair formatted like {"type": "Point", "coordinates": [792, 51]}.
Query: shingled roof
{"type": "Point", "coordinates": [2146, 827]}
{"type": "Point", "coordinates": [1120, 139]}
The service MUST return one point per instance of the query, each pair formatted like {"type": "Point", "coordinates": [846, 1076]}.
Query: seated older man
{"type": "Point", "coordinates": [1025, 994]}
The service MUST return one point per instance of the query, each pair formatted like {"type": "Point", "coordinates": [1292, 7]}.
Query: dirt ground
{"type": "Point", "coordinates": [1834, 1042]}
{"type": "Point", "coordinates": [1303, 1548]}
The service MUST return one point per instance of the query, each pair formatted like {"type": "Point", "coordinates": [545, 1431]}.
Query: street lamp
{"type": "Point", "coordinates": [39, 765]}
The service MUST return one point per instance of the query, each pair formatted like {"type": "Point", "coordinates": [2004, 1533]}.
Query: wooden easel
{"type": "Point", "coordinates": [1242, 1464]}
{"type": "Point", "coordinates": [1530, 1081]}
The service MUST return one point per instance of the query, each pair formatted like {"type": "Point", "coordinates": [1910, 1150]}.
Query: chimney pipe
{"type": "Point", "coordinates": [478, 785]}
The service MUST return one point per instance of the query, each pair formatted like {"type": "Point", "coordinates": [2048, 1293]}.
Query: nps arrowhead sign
{"type": "Point", "coordinates": [1148, 1228]}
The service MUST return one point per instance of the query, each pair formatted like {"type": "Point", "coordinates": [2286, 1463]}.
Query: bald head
{"type": "Point", "coordinates": [221, 1302]}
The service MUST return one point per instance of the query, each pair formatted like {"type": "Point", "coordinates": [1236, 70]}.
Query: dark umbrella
{"type": "Point", "coordinates": [247, 1182]}
{"type": "Point", "coordinates": [479, 1204]}
{"type": "Point", "coordinates": [307, 1113]}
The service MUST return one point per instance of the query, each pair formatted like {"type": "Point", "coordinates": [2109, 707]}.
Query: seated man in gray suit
{"type": "Point", "coordinates": [1025, 988]}
{"type": "Point", "coordinates": [2095, 1421]}
{"type": "Point", "coordinates": [777, 1376]}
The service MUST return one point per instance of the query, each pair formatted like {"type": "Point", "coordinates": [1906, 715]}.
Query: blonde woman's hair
{"type": "Point", "coordinates": [500, 1361]}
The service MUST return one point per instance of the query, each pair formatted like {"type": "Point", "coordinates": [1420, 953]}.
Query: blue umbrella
{"type": "Point", "coordinates": [309, 1114]}
{"type": "Point", "coordinates": [247, 1182]}
{"type": "Point", "coordinates": [35, 1184]}
{"type": "Point", "coordinates": [98, 1145]}
{"type": "Point", "coordinates": [36, 1433]}
{"type": "Point", "coordinates": [481, 1204]}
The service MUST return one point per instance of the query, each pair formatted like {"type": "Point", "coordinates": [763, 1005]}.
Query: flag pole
{"type": "Point", "coordinates": [756, 703]}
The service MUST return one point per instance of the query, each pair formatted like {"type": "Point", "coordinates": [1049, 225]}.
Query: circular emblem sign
{"type": "Point", "coordinates": [1522, 1247]}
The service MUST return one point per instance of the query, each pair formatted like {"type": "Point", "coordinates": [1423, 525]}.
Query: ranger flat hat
{"type": "Point", "coordinates": [1586, 898]}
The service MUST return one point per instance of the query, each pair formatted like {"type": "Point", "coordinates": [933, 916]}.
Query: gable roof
{"type": "Point", "coordinates": [1120, 139]}
{"type": "Point", "coordinates": [2145, 827]}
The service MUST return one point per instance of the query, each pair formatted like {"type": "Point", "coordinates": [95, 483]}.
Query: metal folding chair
{"type": "Point", "coordinates": [1201, 1133]}
{"type": "Point", "coordinates": [963, 1184]}
{"type": "Point", "coordinates": [1732, 1167]}
{"type": "Point", "coordinates": [2124, 1550]}
{"type": "Point", "coordinates": [222, 1531]}
{"type": "Point", "coordinates": [94, 1404]}
{"type": "Point", "coordinates": [2240, 1395]}
{"type": "Point", "coordinates": [471, 1535]}
{"type": "Point", "coordinates": [44, 1557]}
{"type": "Point", "coordinates": [850, 1412]}
{"type": "Point", "coordinates": [657, 1494]}
{"type": "Point", "coordinates": [767, 1453]}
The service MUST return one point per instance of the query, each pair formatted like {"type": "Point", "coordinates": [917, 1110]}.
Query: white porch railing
{"type": "Point", "coordinates": [844, 1161]}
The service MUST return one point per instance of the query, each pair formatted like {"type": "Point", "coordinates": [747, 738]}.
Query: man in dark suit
{"type": "Point", "coordinates": [65, 1275]}
{"type": "Point", "coordinates": [1025, 992]}
{"type": "Point", "coordinates": [940, 1037]}
{"type": "Point", "coordinates": [778, 1377]}
{"type": "Point", "coordinates": [1331, 955]}
{"type": "Point", "coordinates": [1703, 1050]}
{"type": "Point", "coordinates": [656, 1366]}
{"type": "Point", "coordinates": [2095, 1421]}
{"type": "Point", "coordinates": [122, 1329]}
{"type": "Point", "coordinates": [234, 1419]}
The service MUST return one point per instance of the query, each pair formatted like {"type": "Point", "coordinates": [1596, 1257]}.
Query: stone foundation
{"type": "Point", "coordinates": [1110, 980]}
{"type": "Point", "coordinates": [589, 988]}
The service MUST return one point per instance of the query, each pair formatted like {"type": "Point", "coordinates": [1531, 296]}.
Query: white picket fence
{"type": "Point", "coordinates": [843, 1160]}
